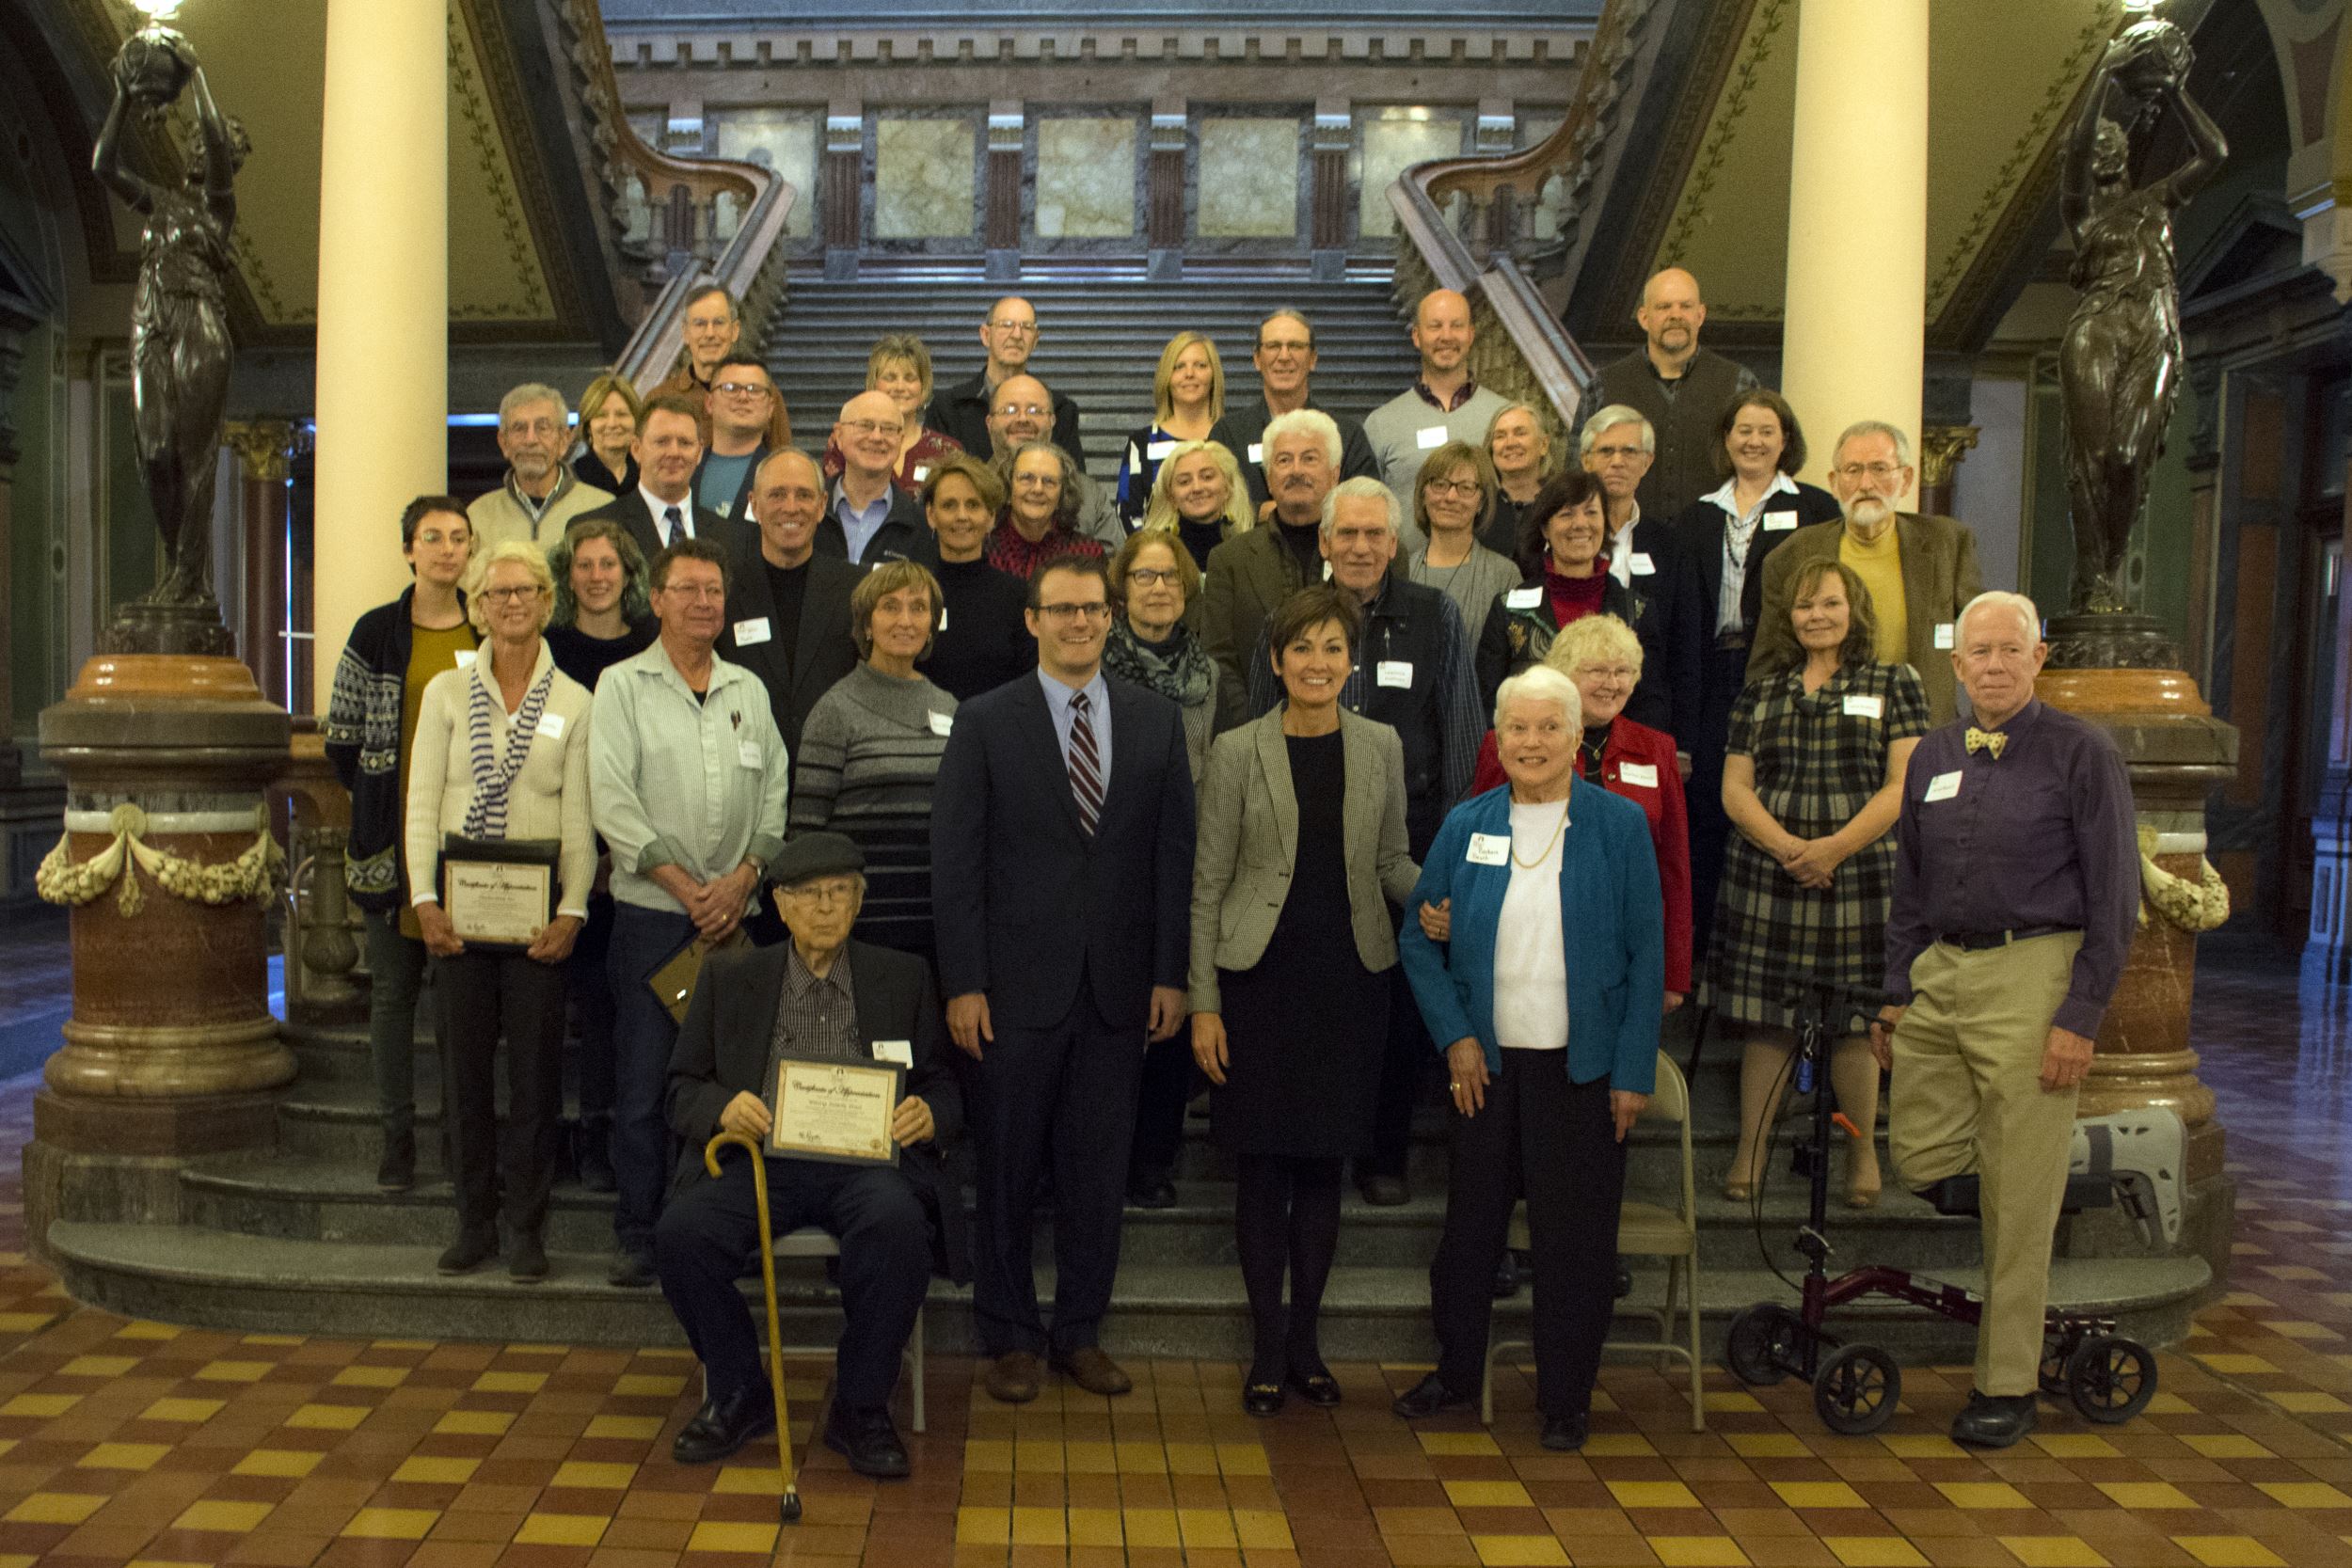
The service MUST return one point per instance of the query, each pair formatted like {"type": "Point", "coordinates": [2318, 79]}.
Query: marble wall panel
{"type": "Point", "coordinates": [781, 139]}
{"type": "Point", "coordinates": [1391, 142]}
{"type": "Point", "coordinates": [1086, 179]}
{"type": "Point", "coordinates": [1249, 179]}
{"type": "Point", "coordinates": [923, 179]}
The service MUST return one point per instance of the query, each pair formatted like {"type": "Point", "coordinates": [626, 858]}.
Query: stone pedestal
{"type": "Point", "coordinates": [167, 865]}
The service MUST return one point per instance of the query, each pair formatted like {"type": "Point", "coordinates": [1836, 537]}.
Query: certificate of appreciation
{"type": "Point", "coordinates": [833, 1110]}
{"type": "Point", "coordinates": [498, 893]}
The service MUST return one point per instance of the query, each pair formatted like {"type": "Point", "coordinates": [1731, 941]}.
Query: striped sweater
{"type": "Point", "coordinates": [866, 763]}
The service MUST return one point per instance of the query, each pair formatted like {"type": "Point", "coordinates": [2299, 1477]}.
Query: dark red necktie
{"type": "Point", "coordinates": [1086, 765]}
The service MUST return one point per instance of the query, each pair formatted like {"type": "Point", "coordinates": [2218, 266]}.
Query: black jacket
{"type": "Point", "coordinates": [1243, 426]}
{"type": "Point", "coordinates": [1516, 637]}
{"type": "Point", "coordinates": [797, 663]}
{"type": "Point", "coordinates": [633, 513]}
{"type": "Point", "coordinates": [1700, 530]}
{"type": "Point", "coordinates": [961, 411]}
{"type": "Point", "coordinates": [905, 534]}
{"type": "Point", "coordinates": [723, 1050]}
{"type": "Point", "coordinates": [1668, 619]}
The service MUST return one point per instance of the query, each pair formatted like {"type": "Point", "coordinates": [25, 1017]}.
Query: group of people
{"type": "Point", "coordinates": [1307, 759]}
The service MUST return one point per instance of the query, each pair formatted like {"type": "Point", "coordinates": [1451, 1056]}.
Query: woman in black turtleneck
{"type": "Point", "coordinates": [983, 637]}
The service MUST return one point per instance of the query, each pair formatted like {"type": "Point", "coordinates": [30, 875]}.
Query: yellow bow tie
{"type": "Point", "coordinates": [1980, 740]}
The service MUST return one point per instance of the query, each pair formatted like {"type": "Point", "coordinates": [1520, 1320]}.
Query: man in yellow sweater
{"type": "Point", "coordinates": [1920, 570]}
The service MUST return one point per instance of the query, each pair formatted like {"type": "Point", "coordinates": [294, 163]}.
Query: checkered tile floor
{"type": "Point", "coordinates": [144, 1444]}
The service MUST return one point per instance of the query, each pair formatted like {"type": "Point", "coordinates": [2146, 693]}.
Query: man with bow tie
{"type": "Point", "coordinates": [2016, 890]}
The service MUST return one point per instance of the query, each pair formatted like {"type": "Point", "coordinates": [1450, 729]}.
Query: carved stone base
{"type": "Point", "coordinates": [2111, 642]}
{"type": "Point", "coordinates": [141, 627]}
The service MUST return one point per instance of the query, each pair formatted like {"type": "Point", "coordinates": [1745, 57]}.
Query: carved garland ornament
{"type": "Point", "coordinates": [254, 874]}
{"type": "Point", "coordinates": [2191, 906]}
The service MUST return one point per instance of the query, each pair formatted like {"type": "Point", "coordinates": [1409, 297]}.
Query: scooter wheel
{"type": "Point", "coordinates": [1856, 1389]}
{"type": "Point", "coordinates": [1760, 1346]}
{"type": "Point", "coordinates": [2110, 1379]}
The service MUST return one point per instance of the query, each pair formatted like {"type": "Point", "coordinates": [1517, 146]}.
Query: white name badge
{"type": "Point", "coordinates": [1776, 522]}
{"type": "Point", "coordinates": [1257, 452]}
{"type": "Point", "coordinates": [724, 508]}
{"type": "Point", "coordinates": [1489, 849]}
{"type": "Point", "coordinates": [1865, 707]}
{"type": "Point", "coordinates": [943, 723]}
{"type": "Point", "coordinates": [1944, 635]}
{"type": "Point", "coordinates": [1523, 598]}
{"type": "Point", "coordinates": [1642, 774]}
{"type": "Point", "coordinates": [898, 1053]}
{"type": "Point", "coordinates": [1156, 452]}
{"type": "Point", "coordinates": [1944, 786]}
{"type": "Point", "coordinates": [747, 752]}
{"type": "Point", "coordinates": [922, 472]}
{"type": "Point", "coordinates": [751, 631]}
{"type": "Point", "coordinates": [551, 725]}
{"type": "Point", "coordinates": [943, 617]}
{"type": "Point", "coordinates": [1642, 564]}
{"type": "Point", "coordinates": [465, 659]}
{"type": "Point", "coordinates": [1394, 672]}
{"type": "Point", "coordinates": [1430, 438]}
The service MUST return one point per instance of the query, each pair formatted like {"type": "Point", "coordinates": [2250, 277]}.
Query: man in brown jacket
{"type": "Point", "coordinates": [1920, 570]}
{"type": "Point", "coordinates": [713, 328]}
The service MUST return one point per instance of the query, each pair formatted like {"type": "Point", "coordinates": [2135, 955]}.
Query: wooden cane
{"type": "Point", "coordinates": [788, 1510]}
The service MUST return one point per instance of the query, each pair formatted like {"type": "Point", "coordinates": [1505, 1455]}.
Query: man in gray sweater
{"type": "Point", "coordinates": [1447, 404]}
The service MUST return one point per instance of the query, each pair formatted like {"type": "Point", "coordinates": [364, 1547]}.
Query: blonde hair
{"type": "Point", "coordinates": [901, 348]}
{"type": "Point", "coordinates": [1163, 379]}
{"type": "Point", "coordinates": [592, 402]}
{"type": "Point", "coordinates": [890, 576]}
{"type": "Point", "coordinates": [520, 552]}
{"type": "Point", "coordinates": [1161, 512]}
{"type": "Point", "coordinates": [1590, 637]}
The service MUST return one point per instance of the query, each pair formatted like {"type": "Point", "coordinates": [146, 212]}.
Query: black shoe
{"type": "Point", "coordinates": [1262, 1399]}
{"type": "Point", "coordinates": [1384, 1192]}
{"type": "Point", "coordinates": [593, 1153]}
{"type": "Point", "coordinates": [1151, 1192]}
{"type": "Point", "coordinates": [1566, 1433]}
{"type": "Point", "coordinates": [528, 1261]}
{"type": "Point", "coordinates": [1317, 1386]}
{"type": "Point", "coordinates": [723, 1425]}
{"type": "Point", "coordinates": [629, 1270]}
{"type": "Point", "coordinates": [397, 1171]}
{"type": "Point", "coordinates": [867, 1440]}
{"type": "Point", "coordinates": [1506, 1278]}
{"type": "Point", "coordinates": [1993, 1421]}
{"type": "Point", "coordinates": [468, 1251]}
{"type": "Point", "coordinates": [1430, 1397]}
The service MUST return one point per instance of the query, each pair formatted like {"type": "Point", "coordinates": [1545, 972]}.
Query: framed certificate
{"type": "Point", "coordinates": [498, 893]}
{"type": "Point", "coordinates": [827, 1109]}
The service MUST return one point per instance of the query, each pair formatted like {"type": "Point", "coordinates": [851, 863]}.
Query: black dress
{"type": "Point", "coordinates": [1306, 1026]}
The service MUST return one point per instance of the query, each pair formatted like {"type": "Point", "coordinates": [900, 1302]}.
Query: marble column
{"type": "Point", "coordinates": [1854, 342]}
{"type": "Point", "coordinates": [1164, 209]}
{"type": "Point", "coordinates": [1334, 136]}
{"type": "Point", "coordinates": [264, 452]}
{"type": "Point", "coordinates": [382, 326]}
{"type": "Point", "coordinates": [14, 326]}
{"type": "Point", "coordinates": [1941, 447]}
{"type": "Point", "coordinates": [841, 181]}
{"type": "Point", "coordinates": [1001, 220]}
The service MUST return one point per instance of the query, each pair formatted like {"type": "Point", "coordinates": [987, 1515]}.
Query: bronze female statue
{"type": "Point", "coordinates": [179, 345]}
{"type": "Point", "coordinates": [2119, 363]}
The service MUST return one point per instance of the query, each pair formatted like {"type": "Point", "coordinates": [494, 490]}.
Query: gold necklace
{"type": "Point", "coordinates": [1557, 829]}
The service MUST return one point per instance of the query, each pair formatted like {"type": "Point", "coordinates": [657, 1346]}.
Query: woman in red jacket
{"type": "Point", "coordinates": [1601, 655]}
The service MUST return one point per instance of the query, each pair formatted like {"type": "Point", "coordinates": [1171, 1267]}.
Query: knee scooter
{"type": "Point", "coordinates": [1856, 1385]}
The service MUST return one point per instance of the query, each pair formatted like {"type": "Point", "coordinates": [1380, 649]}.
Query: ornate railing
{"type": "Point", "coordinates": [1462, 225]}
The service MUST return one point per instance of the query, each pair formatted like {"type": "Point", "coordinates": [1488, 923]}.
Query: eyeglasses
{"type": "Point", "coordinates": [696, 591]}
{"type": "Point", "coordinates": [511, 596]}
{"type": "Point", "coordinates": [1610, 455]}
{"type": "Point", "coordinates": [1854, 473]}
{"type": "Point", "coordinates": [1015, 329]}
{"type": "Point", "coordinates": [1285, 345]}
{"type": "Point", "coordinates": [1034, 410]}
{"type": "Point", "coordinates": [1036, 482]}
{"type": "Point", "coordinates": [873, 427]}
{"type": "Point", "coordinates": [1152, 576]}
{"type": "Point", "coordinates": [1099, 611]}
{"type": "Point", "coordinates": [742, 388]}
{"type": "Point", "coordinates": [1453, 488]}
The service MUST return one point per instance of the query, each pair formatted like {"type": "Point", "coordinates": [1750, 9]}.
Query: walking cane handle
{"type": "Point", "coordinates": [710, 1149]}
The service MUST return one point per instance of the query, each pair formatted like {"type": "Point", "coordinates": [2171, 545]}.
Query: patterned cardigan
{"type": "Point", "coordinates": [362, 734]}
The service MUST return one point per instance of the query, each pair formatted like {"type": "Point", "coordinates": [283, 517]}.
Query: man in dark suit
{"type": "Point", "coordinates": [1061, 854]}
{"type": "Point", "coordinates": [669, 450]}
{"type": "Point", "coordinates": [826, 997]}
{"type": "Point", "coordinates": [961, 410]}
{"type": "Point", "coordinates": [869, 520]}
{"type": "Point", "coordinates": [789, 607]}
{"type": "Point", "coordinates": [1285, 357]}
{"type": "Point", "coordinates": [1643, 553]}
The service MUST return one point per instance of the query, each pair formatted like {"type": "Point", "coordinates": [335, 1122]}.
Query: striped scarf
{"type": "Point", "coordinates": [493, 772]}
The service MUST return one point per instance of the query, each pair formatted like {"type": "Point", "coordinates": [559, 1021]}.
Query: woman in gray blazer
{"type": "Point", "coordinates": [1301, 851]}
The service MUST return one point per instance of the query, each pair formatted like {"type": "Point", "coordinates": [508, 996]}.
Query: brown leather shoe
{"type": "Point", "coordinates": [1014, 1377]}
{"type": "Point", "coordinates": [1093, 1372]}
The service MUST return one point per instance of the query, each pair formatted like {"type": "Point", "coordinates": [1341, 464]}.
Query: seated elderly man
{"type": "Point", "coordinates": [821, 995]}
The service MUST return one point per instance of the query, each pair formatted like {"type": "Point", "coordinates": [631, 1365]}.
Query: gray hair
{"type": "Point", "coordinates": [1302, 421]}
{"type": "Point", "coordinates": [2000, 598]}
{"type": "Point", "coordinates": [1361, 486]}
{"type": "Point", "coordinates": [1874, 427]}
{"type": "Point", "coordinates": [1609, 418]}
{"type": "Point", "coordinates": [529, 393]}
{"type": "Point", "coordinates": [1284, 312]}
{"type": "Point", "coordinates": [1541, 681]}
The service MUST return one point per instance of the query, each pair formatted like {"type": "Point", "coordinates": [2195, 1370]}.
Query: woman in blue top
{"type": "Point", "coordinates": [1552, 1021]}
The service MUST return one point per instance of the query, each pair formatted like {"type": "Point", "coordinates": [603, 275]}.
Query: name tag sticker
{"type": "Point", "coordinates": [747, 752]}
{"type": "Point", "coordinates": [724, 508]}
{"type": "Point", "coordinates": [1944, 786]}
{"type": "Point", "coordinates": [1944, 635]}
{"type": "Point", "coordinates": [465, 659]}
{"type": "Point", "coordinates": [1643, 566]}
{"type": "Point", "coordinates": [1257, 452]}
{"type": "Point", "coordinates": [1523, 598]}
{"type": "Point", "coordinates": [1394, 672]}
{"type": "Point", "coordinates": [922, 472]}
{"type": "Point", "coordinates": [551, 725]}
{"type": "Point", "coordinates": [1643, 774]}
{"type": "Point", "coordinates": [1430, 438]}
{"type": "Point", "coordinates": [1776, 522]}
{"type": "Point", "coordinates": [897, 1053]}
{"type": "Point", "coordinates": [1156, 452]}
{"type": "Point", "coordinates": [943, 723]}
{"type": "Point", "coordinates": [943, 617]}
{"type": "Point", "coordinates": [1860, 706]}
{"type": "Point", "coordinates": [752, 631]}
{"type": "Point", "coordinates": [1489, 849]}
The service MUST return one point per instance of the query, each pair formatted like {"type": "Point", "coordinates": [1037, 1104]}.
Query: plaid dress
{"type": "Point", "coordinates": [1817, 764]}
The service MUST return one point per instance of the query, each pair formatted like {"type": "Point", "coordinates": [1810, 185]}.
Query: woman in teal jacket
{"type": "Point", "coordinates": [1550, 990]}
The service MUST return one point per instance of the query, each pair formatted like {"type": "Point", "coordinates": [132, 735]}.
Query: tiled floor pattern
{"type": "Point", "coordinates": [142, 1444]}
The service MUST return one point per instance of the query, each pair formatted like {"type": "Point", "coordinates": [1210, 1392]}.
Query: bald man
{"type": "Point", "coordinates": [1680, 387]}
{"type": "Point", "coordinates": [1447, 404]}
{"type": "Point", "coordinates": [869, 520]}
{"type": "Point", "coordinates": [1009, 336]}
{"type": "Point", "coordinates": [788, 602]}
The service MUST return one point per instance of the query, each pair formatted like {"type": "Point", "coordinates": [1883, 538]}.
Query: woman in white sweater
{"type": "Point", "coordinates": [502, 754]}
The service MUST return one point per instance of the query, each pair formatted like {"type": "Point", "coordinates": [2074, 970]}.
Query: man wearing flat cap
{"type": "Point", "coordinates": [819, 997]}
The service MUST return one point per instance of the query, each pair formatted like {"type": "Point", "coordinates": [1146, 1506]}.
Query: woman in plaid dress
{"type": "Point", "coordinates": [1813, 779]}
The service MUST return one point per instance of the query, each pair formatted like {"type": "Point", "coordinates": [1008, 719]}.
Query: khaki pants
{"type": "Point", "coordinates": [1967, 1098]}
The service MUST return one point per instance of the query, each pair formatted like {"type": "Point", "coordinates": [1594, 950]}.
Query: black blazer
{"type": "Point", "coordinates": [1243, 426]}
{"type": "Point", "coordinates": [1668, 619]}
{"type": "Point", "coordinates": [1025, 902]}
{"type": "Point", "coordinates": [1700, 528]}
{"type": "Point", "coordinates": [961, 411]}
{"type": "Point", "coordinates": [1501, 654]}
{"type": "Point", "coordinates": [905, 534]}
{"type": "Point", "coordinates": [797, 664]}
{"type": "Point", "coordinates": [643, 526]}
{"type": "Point", "coordinates": [723, 1050]}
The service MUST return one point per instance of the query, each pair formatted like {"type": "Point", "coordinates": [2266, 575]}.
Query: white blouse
{"type": "Point", "coordinates": [1531, 950]}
